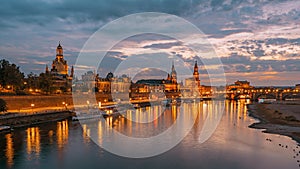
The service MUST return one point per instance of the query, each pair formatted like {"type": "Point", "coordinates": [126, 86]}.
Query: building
{"type": "Point", "coordinates": [59, 70]}
{"type": "Point", "coordinates": [239, 86]}
{"type": "Point", "coordinates": [297, 87]}
{"type": "Point", "coordinates": [240, 89]}
{"type": "Point", "coordinates": [170, 84]}
{"type": "Point", "coordinates": [148, 89]}
{"type": "Point", "coordinates": [89, 81]}
{"type": "Point", "coordinates": [242, 84]}
{"type": "Point", "coordinates": [156, 88]}
{"type": "Point", "coordinates": [192, 85]}
{"type": "Point", "coordinates": [59, 64]}
{"type": "Point", "coordinates": [120, 84]}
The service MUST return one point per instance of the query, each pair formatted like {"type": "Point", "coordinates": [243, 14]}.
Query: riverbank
{"type": "Point", "coordinates": [16, 120]}
{"type": "Point", "coordinates": [278, 118]}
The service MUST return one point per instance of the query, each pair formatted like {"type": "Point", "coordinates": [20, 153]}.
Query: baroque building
{"type": "Point", "coordinates": [156, 88]}
{"type": "Point", "coordinates": [59, 70]}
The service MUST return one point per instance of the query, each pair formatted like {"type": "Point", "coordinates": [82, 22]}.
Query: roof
{"type": "Point", "coordinates": [59, 46]}
{"type": "Point", "coordinates": [151, 81]}
{"type": "Point", "coordinates": [242, 81]}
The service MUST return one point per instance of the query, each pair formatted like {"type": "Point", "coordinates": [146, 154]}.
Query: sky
{"type": "Point", "coordinates": [256, 40]}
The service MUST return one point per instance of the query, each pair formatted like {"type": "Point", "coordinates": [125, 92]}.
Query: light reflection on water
{"type": "Point", "coordinates": [9, 152]}
{"type": "Point", "coordinates": [33, 142]}
{"type": "Point", "coordinates": [67, 144]}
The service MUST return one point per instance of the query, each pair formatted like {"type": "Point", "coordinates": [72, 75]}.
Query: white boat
{"type": "Point", "coordinates": [5, 128]}
{"type": "Point", "coordinates": [96, 114]}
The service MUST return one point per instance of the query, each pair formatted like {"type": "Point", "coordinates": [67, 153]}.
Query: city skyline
{"type": "Point", "coordinates": [145, 74]}
{"type": "Point", "coordinates": [256, 41]}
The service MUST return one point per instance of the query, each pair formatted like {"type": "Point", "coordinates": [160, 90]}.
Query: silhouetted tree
{"type": "Point", "coordinates": [46, 82]}
{"type": "Point", "coordinates": [32, 81]}
{"type": "Point", "coordinates": [3, 107]}
{"type": "Point", "coordinates": [11, 75]}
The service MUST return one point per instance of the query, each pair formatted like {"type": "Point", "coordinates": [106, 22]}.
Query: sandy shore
{"type": "Point", "coordinates": [278, 118]}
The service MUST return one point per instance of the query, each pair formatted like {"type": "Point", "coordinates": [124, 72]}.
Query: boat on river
{"type": "Point", "coordinates": [91, 114]}
{"type": "Point", "coordinates": [104, 112]}
{"type": "Point", "coordinates": [4, 129]}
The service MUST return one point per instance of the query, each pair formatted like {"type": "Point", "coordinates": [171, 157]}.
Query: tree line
{"type": "Point", "coordinates": [11, 78]}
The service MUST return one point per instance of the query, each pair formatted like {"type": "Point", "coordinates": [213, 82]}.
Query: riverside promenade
{"type": "Point", "coordinates": [31, 110]}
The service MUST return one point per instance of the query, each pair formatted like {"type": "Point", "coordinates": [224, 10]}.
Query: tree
{"type": "Point", "coordinates": [3, 107]}
{"type": "Point", "coordinates": [46, 82]}
{"type": "Point", "coordinates": [10, 75]}
{"type": "Point", "coordinates": [32, 81]}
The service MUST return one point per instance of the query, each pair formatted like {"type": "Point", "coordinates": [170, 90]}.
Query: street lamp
{"type": "Point", "coordinates": [88, 103]}
{"type": "Point", "coordinates": [32, 105]}
{"type": "Point", "coordinates": [64, 104]}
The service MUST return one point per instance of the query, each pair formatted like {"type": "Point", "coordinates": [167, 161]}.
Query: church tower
{"type": "Point", "coordinates": [47, 69]}
{"type": "Point", "coordinates": [173, 74]}
{"type": "Point", "coordinates": [72, 72]}
{"type": "Point", "coordinates": [168, 77]}
{"type": "Point", "coordinates": [196, 75]}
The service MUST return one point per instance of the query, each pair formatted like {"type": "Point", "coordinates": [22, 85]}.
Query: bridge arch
{"type": "Point", "coordinates": [290, 96]}
{"type": "Point", "coordinates": [264, 96]}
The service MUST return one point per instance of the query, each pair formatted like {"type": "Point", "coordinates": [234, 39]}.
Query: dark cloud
{"type": "Point", "coordinates": [163, 45]}
{"type": "Point", "coordinates": [41, 12]}
{"type": "Point", "coordinates": [234, 58]}
{"type": "Point", "coordinates": [238, 63]}
{"type": "Point", "coordinates": [281, 41]}
{"type": "Point", "coordinates": [150, 73]}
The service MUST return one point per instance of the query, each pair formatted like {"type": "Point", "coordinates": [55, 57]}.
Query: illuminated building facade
{"type": "Point", "coordinates": [59, 71]}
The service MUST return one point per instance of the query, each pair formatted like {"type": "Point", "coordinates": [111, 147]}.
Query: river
{"type": "Point", "coordinates": [66, 144]}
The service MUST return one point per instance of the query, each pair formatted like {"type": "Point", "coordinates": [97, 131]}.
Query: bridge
{"type": "Point", "coordinates": [256, 93]}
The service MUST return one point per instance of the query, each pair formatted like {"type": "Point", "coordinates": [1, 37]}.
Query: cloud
{"type": "Point", "coordinates": [163, 45]}
{"type": "Point", "coordinates": [249, 36]}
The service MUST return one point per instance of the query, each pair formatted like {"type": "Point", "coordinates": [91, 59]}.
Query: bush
{"type": "Point", "coordinates": [3, 107]}
{"type": "Point", "coordinates": [291, 118]}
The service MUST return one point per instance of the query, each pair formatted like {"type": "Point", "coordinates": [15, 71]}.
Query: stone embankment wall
{"type": "Point", "coordinates": [24, 102]}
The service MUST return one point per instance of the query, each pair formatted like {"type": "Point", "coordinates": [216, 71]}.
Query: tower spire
{"type": "Point", "coordinates": [196, 67]}
{"type": "Point", "coordinates": [196, 75]}
{"type": "Point", "coordinates": [173, 73]}
{"type": "Point", "coordinates": [47, 69]}
{"type": "Point", "coordinates": [72, 71]}
{"type": "Point", "coordinates": [173, 68]}
{"type": "Point", "coordinates": [59, 50]}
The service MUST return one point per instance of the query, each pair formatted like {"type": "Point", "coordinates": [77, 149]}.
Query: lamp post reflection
{"type": "Point", "coordinates": [9, 152]}
{"type": "Point", "coordinates": [33, 141]}
{"type": "Point", "coordinates": [62, 133]}
{"type": "Point", "coordinates": [86, 133]}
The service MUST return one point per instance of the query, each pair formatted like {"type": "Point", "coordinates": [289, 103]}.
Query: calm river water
{"type": "Point", "coordinates": [233, 145]}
